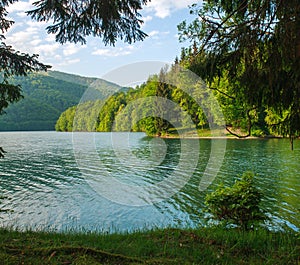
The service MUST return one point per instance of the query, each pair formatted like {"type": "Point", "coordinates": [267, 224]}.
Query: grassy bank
{"type": "Point", "coordinates": [169, 246]}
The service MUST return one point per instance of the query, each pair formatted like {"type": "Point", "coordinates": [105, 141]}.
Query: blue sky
{"type": "Point", "coordinates": [95, 59]}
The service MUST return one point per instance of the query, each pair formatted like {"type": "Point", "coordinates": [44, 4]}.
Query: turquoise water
{"type": "Point", "coordinates": [50, 180]}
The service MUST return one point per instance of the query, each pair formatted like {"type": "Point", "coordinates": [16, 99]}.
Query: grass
{"type": "Point", "coordinates": [167, 246]}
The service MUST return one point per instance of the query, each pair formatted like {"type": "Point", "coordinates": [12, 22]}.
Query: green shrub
{"type": "Point", "coordinates": [238, 204]}
{"type": "Point", "coordinates": [257, 133]}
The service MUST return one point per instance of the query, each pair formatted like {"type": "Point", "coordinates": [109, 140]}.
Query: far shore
{"type": "Point", "coordinates": [218, 134]}
{"type": "Point", "coordinates": [186, 135]}
{"type": "Point", "coordinates": [219, 137]}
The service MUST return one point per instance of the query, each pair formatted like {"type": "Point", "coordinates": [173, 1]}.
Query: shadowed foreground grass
{"type": "Point", "coordinates": [168, 246]}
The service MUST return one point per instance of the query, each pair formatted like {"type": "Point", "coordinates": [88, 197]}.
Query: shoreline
{"type": "Point", "coordinates": [226, 137]}
{"type": "Point", "coordinates": [168, 136]}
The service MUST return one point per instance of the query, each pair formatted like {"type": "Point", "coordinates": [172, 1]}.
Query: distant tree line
{"type": "Point", "coordinates": [126, 111]}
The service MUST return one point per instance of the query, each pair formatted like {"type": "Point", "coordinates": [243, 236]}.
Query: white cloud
{"type": "Point", "coordinates": [57, 57]}
{"type": "Point", "coordinates": [153, 33]}
{"type": "Point", "coordinates": [20, 7]}
{"type": "Point", "coordinates": [67, 62]}
{"type": "Point", "coordinates": [21, 40]}
{"type": "Point", "coordinates": [35, 42]}
{"type": "Point", "coordinates": [50, 38]}
{"type": "Point", "coordinates": [24, 35]}
{"type": "Point", "coordinates": [35, 24]}
{"type": "Point", "coordinates": [30, 40]}
{"type": "Point", "coordinates": [22, 14]}
{"type": "Point", "coordinates": [29, 36]}
{"type": "Point", "coordinates": [46, 50]}
{"type": "Point", "coordinates": [72, 48]}
{"type": "Point", "coordinates": [147, 19]}
{"type": "Point", "coordinates": [113, 52]}
{"type": "Point", "coordinates": [164, 8]}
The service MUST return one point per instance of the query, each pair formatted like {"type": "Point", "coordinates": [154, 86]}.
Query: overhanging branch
{"type": "Point", "coordinates": [249, 127]}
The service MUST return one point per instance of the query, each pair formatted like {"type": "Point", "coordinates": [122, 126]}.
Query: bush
{"type": "Point", "coordinates": [257, 133]}
{"type": "Point", "coordinates": [238, 204]}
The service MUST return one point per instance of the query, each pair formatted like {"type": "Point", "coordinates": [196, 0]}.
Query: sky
{"type": "Point", "coordinates": [94, 59]}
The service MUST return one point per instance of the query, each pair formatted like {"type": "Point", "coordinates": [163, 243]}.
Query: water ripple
{"type": "Point", "coordinates": [45, 189]}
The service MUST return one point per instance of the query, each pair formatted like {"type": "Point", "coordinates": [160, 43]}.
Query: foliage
{"type": "Point", "coordinates": [65, 120]}
{"type": "Point", "coordinates": [256, 46]}
{"type": "Point", "coordinates": [238, 204]}
{"type": "Point", "coordinates": [163, 90]}
{"type": "Point", "coordinates": [137, 109]}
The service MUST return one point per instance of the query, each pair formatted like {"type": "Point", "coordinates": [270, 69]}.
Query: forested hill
{"type": "Point", "coordinates": [196, 106]}
{"type": "Point", "coordinates": [46, 96]}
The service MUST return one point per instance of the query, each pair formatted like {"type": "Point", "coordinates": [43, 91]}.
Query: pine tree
{"type": "Point", "coordinates": [256, 44]}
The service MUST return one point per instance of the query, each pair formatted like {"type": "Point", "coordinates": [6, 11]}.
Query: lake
{"type": "Point", "coordinates": [121, 181]}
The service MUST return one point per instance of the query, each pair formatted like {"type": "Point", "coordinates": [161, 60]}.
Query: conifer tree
{"type": "Point", "coordinates": [256, 44]}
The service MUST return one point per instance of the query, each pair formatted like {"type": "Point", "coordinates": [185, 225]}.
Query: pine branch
{"type": "Point", "coordinates": [73, 22]}
{"type": "Point", "coordinates": [223, 93]}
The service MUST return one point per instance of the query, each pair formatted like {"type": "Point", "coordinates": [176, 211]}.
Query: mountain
{"type": "Point", "coordinates": [47, 95]}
